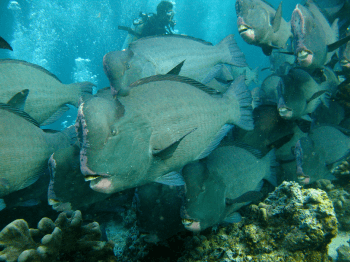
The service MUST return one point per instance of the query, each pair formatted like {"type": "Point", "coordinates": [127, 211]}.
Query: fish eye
{"type": "Point", "coordinates": [114, 132]}
{"type": "Point", "coordinates": [127, 65]}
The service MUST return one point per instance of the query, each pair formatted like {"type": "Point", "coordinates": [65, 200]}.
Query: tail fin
{"type": "Point", "coordinates": [239, 91]}
{"type": "Point", "coordinates": [86, 91]}
{"type": "Point", "coordinates": [236, 56]}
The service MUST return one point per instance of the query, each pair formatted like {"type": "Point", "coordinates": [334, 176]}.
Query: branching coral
{"type": "Point", "coordinates": [62, 240]}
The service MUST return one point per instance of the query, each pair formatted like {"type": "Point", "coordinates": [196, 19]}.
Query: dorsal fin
{"type": "Point", "coordinates": [181, 79]}
{"type": "Point", "coordinates": [20, 113]}
{"type": "Point", "coordinates": [277, 19]}
{"type": "Point", "coordinates": [4, 44]}
{"type": "Point", "coordinates": [176, 70]}
{"type": "Point", "coordinates": [15, 61]}
{"type": "Point", "coordinates": [19, 99]}
{"type": "Point", "coordinates": [169, 36]}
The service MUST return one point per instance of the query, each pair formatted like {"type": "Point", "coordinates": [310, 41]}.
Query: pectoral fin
{"type": "Point", "coordinates": [246, 197]}
{"type": "Point", "coordinates": [167, 152]}
{"type": "Point", "coordinates": [337, 44]}
{"type": "Point", "coordinates": [19, 99]}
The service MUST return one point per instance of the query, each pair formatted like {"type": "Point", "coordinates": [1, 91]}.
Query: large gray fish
{"type": "Point", "coordinates": [48, 96]}
{"type": "Point", "coordinates": [314, 39]}
{"type": "Point", "coordinates": [160, 54]}
{"type": "Point", "coordinates": [229, 178]}
{"type": "Point", "coordinates": [152, 141]}
{"type": "Point", "coordinates": [4, 44]}
{"type": "Point", "coordinates": [67, 189]}
{"type": "Point", "coordinates": [335, 9]}
{"type": "Point", "coordinates": [318, 153]}
{"type": "Point", "coordinates": [261, 25]}
{"type": "Point", "coordinates": [25, 149]}
{"type": "Point", "coordinates": [299, 94]}
{"type": "Point", "coordinates": [270, 129]}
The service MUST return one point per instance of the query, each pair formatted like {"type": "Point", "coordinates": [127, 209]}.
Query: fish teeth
{"type": "Point", "coordinates": [303, 54]}
{"type": "Point", "coordinates": [242, 28]}
{"type": "Point", "coordinates": [187, 222]}
{"type": "Point", "coordinates": [91, 177]}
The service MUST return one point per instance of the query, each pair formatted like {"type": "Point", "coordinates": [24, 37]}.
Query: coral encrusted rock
{"type": "Point", "coordinates": [293, 224]}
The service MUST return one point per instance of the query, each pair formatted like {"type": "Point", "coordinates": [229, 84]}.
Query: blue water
{"type": "Point", "coordinates": [69, 38]}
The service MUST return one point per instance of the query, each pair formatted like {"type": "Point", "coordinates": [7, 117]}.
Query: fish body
{"type": "Point", "coordinates": [153, 140]}
{"type": "Point", "coordinates": [261, 25]}
{"type": "Point", "coordinates": [67, 189]}
{"type": "Point", "coordinates": [229, 178]}
{"type": "Point", "coordinates": [324, 147]}
{"type": "Point", "coordinates": [160, 54]}
{"type": "Point", "coordinates": [299, 94]}
{"type": "Point", "coordinates": [311, 36]}
{"type": "Point", "coordinates": [25, 150]}
{"type": "Point", "coordinates": [47, 94]}
{"type": "Point", "coordinates": [270, 129]}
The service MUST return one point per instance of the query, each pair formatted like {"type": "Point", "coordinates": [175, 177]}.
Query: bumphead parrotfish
{"type": "Point", "coordinates": [25, 149]}
{"type": "Point", "coordinates": [167, 122]}
{"type": "Point", "coordinates": [48, 96]}
{"type": "Point", "coordinates": [314, 39]}
{"type": "Point", "coordinates": [319, 152]}
{"type": "Point", "coordinates": [261, 25]}
{"type": "Point", "coordinates": [67, 189]}
{"type": "Point", "coordinates": [229, 178]}
{"type": "Point", "coordinates": [160, 54]}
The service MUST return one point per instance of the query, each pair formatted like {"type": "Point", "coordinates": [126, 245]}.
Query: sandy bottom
{"type": "Point", "coordinates": [341, 239]}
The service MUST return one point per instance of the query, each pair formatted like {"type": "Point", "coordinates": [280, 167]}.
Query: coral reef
{"type": "Point", "coordinates": [66, 239]}
{"type": "Point", "coordinates": [292, 224]}
{"type": "Point", "coordinates": [341, 201]}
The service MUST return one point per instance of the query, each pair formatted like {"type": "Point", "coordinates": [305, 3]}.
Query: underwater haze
{"type": "Point", "coordinates": [70, 38]}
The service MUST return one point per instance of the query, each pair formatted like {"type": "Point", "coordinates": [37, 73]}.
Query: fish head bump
{"type": "Point", "coordinates": [253, 21]}
{"type": "Point", "coordinates": [308, 42]}
{"type": "Point", "coordinates": [115, 66]}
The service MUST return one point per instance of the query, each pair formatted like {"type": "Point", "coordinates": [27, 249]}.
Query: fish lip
{"type": "Point", "coordinates": [192, 225]}
{"type": "Point", "coordinates": [345, 64]}
{"type": "Point", "coordinates": [285, 112]}
{"type": "Point", "coordinates": [243, 28]}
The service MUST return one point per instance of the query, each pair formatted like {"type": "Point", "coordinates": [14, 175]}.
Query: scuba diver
{"type": "Point", "coordinates": [151, 24]}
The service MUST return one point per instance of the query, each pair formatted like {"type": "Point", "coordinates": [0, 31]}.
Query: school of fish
{"type": "Point", "coordinates": [180, 113]}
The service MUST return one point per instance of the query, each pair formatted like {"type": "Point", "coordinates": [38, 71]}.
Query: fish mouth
{"type": "Point", "coordinates": [101, 183]}
{"type": "Point", "coordinates": [191, 225]}
{"type": "Point", "coordinates": [345, 64]}
{"type": "Point", "coordinates": [305, 57]}
{"type": "Point", "coordinates": [285, 112]}
{"type": "Point", "coordinates": [303, 179]}
{"type": "Point", "coordinates": [243, 28]}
